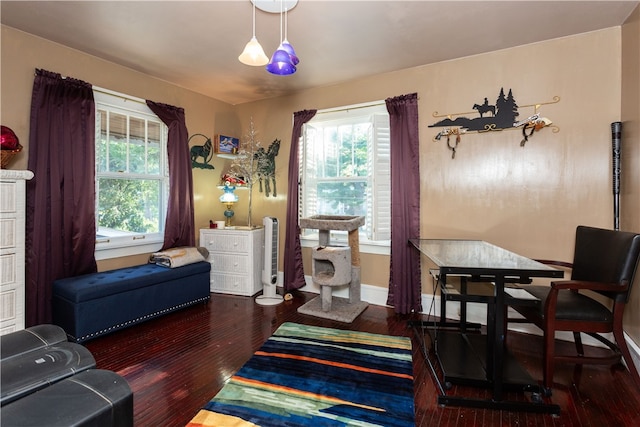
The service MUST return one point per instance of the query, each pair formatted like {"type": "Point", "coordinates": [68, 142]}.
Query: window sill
{"type": "Point", "coordinates": [381, 248]}
{"type": "Point", "coordinates": [128, 250]}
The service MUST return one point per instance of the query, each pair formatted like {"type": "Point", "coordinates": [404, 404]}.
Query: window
{"type": "Point", "coordinates": [132, 179]}
{"type": "Point", "coordinates": [345, 169]}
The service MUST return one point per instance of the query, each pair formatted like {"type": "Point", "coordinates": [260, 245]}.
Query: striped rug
{"type": "Point", "coordinates": [312, 376]}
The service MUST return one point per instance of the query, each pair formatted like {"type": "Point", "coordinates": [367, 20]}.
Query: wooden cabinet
{"type": "Point", "coordinates": [12, 241]}
{"type": "Point", "coordinates": [236, 257]}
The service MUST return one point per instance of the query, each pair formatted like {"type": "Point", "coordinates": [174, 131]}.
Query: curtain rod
{"type": "Point", "coordinates": [354, 107]}
{"type": "Point", "coordinates": [113, 93]}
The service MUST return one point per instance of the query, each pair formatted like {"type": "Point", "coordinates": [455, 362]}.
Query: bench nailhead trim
{"type": "Point", "coordinates": [141, 318]}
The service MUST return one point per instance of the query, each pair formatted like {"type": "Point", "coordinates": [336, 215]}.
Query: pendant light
{"type": "Point", "coordinates": [281, 62]}
{"type": "Point", "coordinates": [253, 54]}
{"type": "Point", "coordinates": [285, 43]}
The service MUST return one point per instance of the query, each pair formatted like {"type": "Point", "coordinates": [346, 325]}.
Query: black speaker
{"type": "Point", "coordinates": [616, 139]}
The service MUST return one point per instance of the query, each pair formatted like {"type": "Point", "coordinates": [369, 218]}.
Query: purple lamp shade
{"type": "Point", "coordinates": [292, 53]}
{"type": "Point", "coordinates": [281, 63]}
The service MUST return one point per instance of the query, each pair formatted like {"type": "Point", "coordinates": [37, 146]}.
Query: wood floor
{"type": "Point", "coordinates": [177, 363]}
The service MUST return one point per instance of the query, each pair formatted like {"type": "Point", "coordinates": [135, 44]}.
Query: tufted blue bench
{"type": "Point", "coordinates": [95, 304]}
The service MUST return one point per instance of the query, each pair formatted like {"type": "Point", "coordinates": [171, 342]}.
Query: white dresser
{"type": "Point", "coordinates": [236, 257]}
{"type": "Point", "coordinates": [12, 239]}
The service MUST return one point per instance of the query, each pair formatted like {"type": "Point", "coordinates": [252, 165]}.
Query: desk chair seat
{"type": "Point", "coordinates": [572, 306]}
{"type": "Point", "coordinates": [604, 265]}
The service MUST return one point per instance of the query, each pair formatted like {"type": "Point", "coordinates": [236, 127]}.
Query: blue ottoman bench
{"type": "Point", "coordinates": [95, 304]}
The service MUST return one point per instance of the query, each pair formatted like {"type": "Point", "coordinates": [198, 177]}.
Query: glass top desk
{"type": "Point", "coordinates": [487, 273]}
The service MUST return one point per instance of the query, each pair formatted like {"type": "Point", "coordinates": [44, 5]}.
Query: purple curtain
{"type": "Point", "coordinates": [293, 268]}
{"type": "Point", "coordinates": [60, 221]}
{"type": "Point", "coordinates": [404, 275]}
{"type": "Point", "coordinates": [179, 226]}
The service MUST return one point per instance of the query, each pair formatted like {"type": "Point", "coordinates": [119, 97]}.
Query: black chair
{"type": "Point", "coordinates": [604, 264]}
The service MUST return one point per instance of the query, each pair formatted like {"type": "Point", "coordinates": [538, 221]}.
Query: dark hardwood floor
{"type": "Point", "coordinates": [177, 363]}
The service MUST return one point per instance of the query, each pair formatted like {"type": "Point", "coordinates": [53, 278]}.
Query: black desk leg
{"type": "Point", "coordinates": [498, 339]}
{"type": "Point", "coordinates": [463, 305]}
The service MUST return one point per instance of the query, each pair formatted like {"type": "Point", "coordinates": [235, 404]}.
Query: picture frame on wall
{"type": "Point", "coordinates": [226, 144]}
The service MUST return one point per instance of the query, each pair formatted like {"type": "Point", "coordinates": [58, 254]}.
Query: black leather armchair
{"type": "Point", "coordinates": [604, 265]}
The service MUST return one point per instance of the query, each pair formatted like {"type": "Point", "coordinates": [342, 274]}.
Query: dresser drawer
{"type": "Point", "coordinates": [8, 232]}
{"type": "Point", "coordinates": [8, 303]}
{"type": "Point", "coordinates": [226, 242]}
{"type": "Point", "coordinates": [8, 269]}
{"type": "Point", "coordinates": [229, 263]}
{"type": "Point", "coordinates": [229, 283]}
{"type": "Point", "coordinates": [8, 197]}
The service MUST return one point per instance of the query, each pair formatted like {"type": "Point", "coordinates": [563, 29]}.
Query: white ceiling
{"type": "Point", "coordinates": [195, 44]}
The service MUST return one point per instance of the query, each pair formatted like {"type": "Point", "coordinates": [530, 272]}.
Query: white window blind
{"type": "Point", "coordinates": [345, 168]}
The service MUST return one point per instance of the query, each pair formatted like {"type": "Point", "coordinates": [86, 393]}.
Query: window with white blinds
{"type": "Point", "coordinates": [345, 169]}
{"type": "Point", "coordinates": [132, 178]}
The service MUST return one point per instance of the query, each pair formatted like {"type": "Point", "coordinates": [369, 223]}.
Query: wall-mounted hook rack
{"type": "Point", "coordinates": [498, 117]}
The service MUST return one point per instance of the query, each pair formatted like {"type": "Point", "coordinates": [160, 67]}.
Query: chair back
{"type": "Point", "coordinates": [607, 256]}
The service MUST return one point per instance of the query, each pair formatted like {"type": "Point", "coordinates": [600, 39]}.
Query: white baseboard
{"type": "Point", "coordinates": [372, 294]}
{"type": "Point", "coordinates": [476, 312]}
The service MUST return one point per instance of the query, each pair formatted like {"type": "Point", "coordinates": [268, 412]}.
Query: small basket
{"type": "Point", "coordinates": [7, 155]}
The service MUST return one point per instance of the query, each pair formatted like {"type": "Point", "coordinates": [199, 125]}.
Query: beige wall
{"type": "Point", "coordinates": [630, 153]}
{"type": "Point", "coordinates": [528, 199]}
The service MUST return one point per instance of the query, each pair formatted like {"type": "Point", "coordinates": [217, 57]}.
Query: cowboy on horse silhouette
{"type": "Point", "coordinates": [485, 108]}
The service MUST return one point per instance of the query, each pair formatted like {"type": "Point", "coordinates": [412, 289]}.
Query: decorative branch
{"type": "Point", "coordinates": [245, 165]}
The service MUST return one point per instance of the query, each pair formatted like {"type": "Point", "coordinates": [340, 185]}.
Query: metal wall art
{"type": "Point", "coordinates": [267, 167]}
{"type": "Point", "coordinates": [492, 117]}
{"type": "Point", "coordinates": [205, 151]}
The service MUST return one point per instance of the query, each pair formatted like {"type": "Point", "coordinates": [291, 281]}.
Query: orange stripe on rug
{"type": "Point", "coordinates": [294, 391]}
{"type": "Point", "coordinates": [206, 418]}
{"type": "Point", "coordinates": [336, 364]}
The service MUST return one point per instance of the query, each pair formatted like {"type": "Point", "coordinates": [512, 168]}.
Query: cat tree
{"type": "Point", "coordinates": [335, 267]}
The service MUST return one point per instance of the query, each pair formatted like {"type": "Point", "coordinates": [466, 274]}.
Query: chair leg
{"type": "Point", "coordinates": [577, 374]}
{"type": "Point", "coordinates": [622, 345]}
{"type": "Point", "coordinates": [549, 354]}
{"type": "Point", "coordinates": [578, 341]}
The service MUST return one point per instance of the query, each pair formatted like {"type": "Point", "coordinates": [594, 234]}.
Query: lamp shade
{"type": "Point", "coordinates": [228, 196]}
{"type": "Point", "coordinates": [253, 54]}
{"type": "Point", "coordinates": [292, 53]}
{"type": "Point", "coordinates": [281, 63]}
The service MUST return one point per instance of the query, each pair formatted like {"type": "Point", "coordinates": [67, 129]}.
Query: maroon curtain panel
{"type": "Point", "coordinates": [60, 217]}
{"type": "Point", "coordinates": [293, 268]}
{"type": "Point", "coordinates": [179, 227]}
{"type": "Point", "coordinates": [404, 275]}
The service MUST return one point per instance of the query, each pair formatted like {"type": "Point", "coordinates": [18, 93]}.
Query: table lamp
{"type": "Point", "coordinates": [228, 198]}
